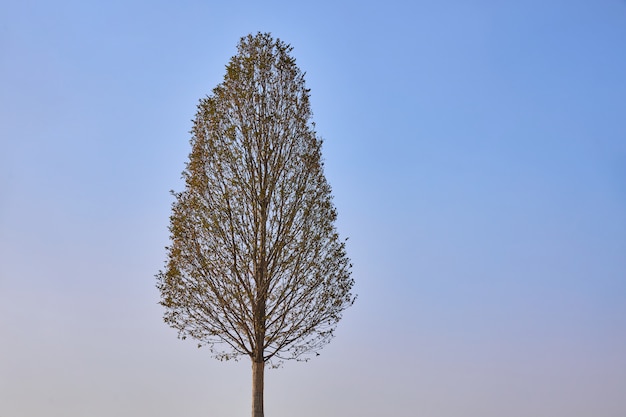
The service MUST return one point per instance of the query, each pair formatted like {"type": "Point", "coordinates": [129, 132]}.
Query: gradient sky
{"type": "Point", "coordinates": [477, 153]}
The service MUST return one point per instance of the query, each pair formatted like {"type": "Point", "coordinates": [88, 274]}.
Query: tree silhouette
{"type": "Point", "coordinates": [255, 266]}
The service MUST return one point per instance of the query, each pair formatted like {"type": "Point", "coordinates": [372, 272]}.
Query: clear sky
{"type": "Point", "coordinates": [477, 153]}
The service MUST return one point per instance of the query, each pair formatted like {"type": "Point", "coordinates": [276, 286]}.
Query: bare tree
{"type": "Point", "coordinates": [256, 266]}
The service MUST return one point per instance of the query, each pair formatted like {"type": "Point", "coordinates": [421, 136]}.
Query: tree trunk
{"type": "Point", "coordinates": [258, 369]}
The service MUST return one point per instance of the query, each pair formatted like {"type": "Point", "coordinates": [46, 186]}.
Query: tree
{"type": "Point", "coordinates": [256, 267]}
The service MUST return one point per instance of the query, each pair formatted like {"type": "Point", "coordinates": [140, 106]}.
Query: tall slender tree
{"type": "Point", "coordinates": [256, 266]}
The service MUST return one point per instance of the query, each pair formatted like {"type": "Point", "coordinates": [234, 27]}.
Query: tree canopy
{"type": "Point", "coordinates": [256, 266]}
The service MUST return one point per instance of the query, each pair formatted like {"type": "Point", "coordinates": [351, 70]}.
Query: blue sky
{"type": "Point", "coordinates": [477, 153]}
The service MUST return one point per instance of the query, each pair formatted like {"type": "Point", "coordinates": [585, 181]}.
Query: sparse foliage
{"type": "Point", "coordinates": [256, 266]}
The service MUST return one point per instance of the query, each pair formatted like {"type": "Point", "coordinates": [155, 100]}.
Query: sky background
{"type": "Point", "coordinates": [477, 153]}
